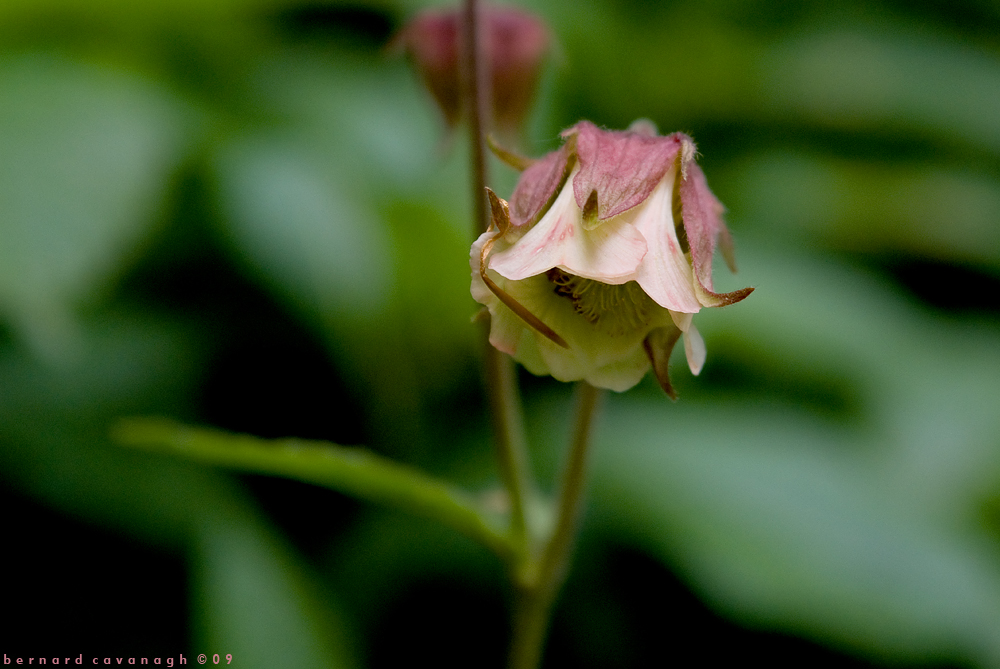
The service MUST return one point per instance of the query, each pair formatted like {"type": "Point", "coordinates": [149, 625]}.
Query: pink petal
{"type": "Point", "coordinates": [538, 185]}
{"type": "Point", "coordinates": [610, 254]}
{"type": "Point", "coordinates": [665, 274]}
{"type": "Point", "coordinates": [622, 167]}
{"type": "Point", "coordinates": [703, 225]}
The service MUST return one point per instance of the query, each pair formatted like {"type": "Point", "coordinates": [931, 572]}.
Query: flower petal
{"type": "Point", "coordinates": [694, 349]}
{"type": "Point", "coordinates": [622, 167]}
{"type": "Point", "coordinates": [665, 274]}
{"type": "Point", "coordinates": [508, 328]}
{"type": "Point", "coordinates": [703, 225]}
{"type": "Point", "coordinates": [610, 253]}
{"type": "Point", "coordinates": [538, 184]}
{"type": "Point", "coordinates": [682, 320]}
{"type": "Point", "coordinates": [480, 292]}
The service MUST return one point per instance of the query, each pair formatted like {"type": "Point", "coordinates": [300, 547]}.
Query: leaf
{"type": "Point", "coordinates": [347, 215]}
{"type": "Point", "coordinates": [86, 151]}
{"type": "Point", "coordinates": [256, 601]}
{"type": "Point", "coordinates": [353, 471]}
{"type": "Point", "coordinates": [54, 421]}
{"type": "Point", "coordinates": [861, 531]}
{"type": "Point", "coordinates": [868, 76]}
{"type": "Point", "coordinates": [925, 210]}
{"type": "Point", "coordinates": [776, 523]}
{"type": "Point", "coordinates": [308, 234]}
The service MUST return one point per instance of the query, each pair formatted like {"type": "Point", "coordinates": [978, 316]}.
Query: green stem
{"type": "Point", "coordinates": [537, 577]}
{"type": "Point", "coordinates": [475, 105]}
{"type": "Point", "coordinates": [538, 587]}
{"type": "Point", "coordinates": [509, 438]}
{"type": "Point", "coordinates": [500, 375]}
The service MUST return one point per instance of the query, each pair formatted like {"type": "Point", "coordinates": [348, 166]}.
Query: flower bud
{"type": "Point", "coordinates": [597, 264]}
{"type": "Point", "coordinates": [514, 45]}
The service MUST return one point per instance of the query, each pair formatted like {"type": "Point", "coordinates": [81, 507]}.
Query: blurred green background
{"type": "Point", "coordinates": [243, 213]}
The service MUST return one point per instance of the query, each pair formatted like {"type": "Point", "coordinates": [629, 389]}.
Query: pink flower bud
{"type": "Point", "coordinates": [514, 45]}
{"type": "Point", "coordinates": [595, 268]}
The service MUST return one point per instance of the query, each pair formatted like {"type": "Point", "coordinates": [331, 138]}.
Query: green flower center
{"type": "Point", "coordinates": [619, 309]}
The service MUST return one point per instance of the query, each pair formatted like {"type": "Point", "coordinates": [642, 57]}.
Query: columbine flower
{"type": "Point", "coordinates": [594, 269]}
{"type": "Point", "coordinates": [514, 45]}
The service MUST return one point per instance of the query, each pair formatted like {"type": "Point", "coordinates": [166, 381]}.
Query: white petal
{"type": "Point", "coordinates": [480, 293]}
{"type": "Point", "coordinates": [681, 320]}
{"type": "Point", "coordinates": [694, 349]}
{"type": "Point", "coordinates": [665, 274]}
{"type": "Point", "coordinates": [506, 328]}
{"type": "Point", "coordinates": [610, 253]}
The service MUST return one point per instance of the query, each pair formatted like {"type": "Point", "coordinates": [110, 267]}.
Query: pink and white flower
{"type": "Point", "coordinates": [595, 268]}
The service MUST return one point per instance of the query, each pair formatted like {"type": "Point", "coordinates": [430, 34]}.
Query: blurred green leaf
{"type": "Point", "coordinates": [308, 234]}
{"type": "Point", "coordinates": [803, 65]}
{"type": "Point", "coordinates": [342, 208]}
{"type": "Point", "coordinates": [54, 423]}
{"type": "Point", "coordinates": [128, 12]}
{"type": "Point", "coordinates": [925, 211]}
{"type": "Point", "coordinates": [776, 522]}
{"type": "Point", "coordinates": [888, 75]}
{"type": "Point", "coordinates": [863, 532]}
{"type": "Point", "coordinates": [87, 151]}
{"type": "Point", "coordinates": [385, 551]}
{"type": "Point", "coordinates": [256, 601]}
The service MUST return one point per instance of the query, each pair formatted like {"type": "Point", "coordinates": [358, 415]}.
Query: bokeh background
{"type": "Point", "coordinates": [243, 213]}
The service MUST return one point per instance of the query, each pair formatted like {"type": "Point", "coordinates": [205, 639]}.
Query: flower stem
{"type": "Point", "coordinates": [509, 438]}
{"type": "Point", "coordinates": [475, 106]}
{"type": "Point", "coordinates": [539, 586]}
{"type": "Point", "coordinates": [538, 574]}
{"type": "Point", "coordinates": [500, 376]}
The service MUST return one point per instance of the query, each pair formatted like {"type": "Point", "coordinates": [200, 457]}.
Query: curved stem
{"type": "Point", "coordinates": [509, 438]}
{"type": "Point", "coordinates": [500, 375]}
{"type": "Point", "coordinates": [538, 589]}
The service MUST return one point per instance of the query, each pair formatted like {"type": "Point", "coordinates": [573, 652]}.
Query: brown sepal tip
{"type": "Point", "coordinates": [508, 156]}
{"type": "Point", "coordinates": [659, 357]}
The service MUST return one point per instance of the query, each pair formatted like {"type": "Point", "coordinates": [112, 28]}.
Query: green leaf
{"type": "Point", "coordinates": [353, 471]}
{"type": "Point", "coordinates": [256, 601]}
{"type": "Point", "coordinates": [295, 220]}
{"type": "Point", "coordinates": [54, 421]}
{"type": "Point", "coordinates": [776, 523]}
{"type": "Point", "coordinates": [862, 531]}
{"type": "Point", "coordinates": [85, 153]}
{"type": "Point", "coordinates": [253, 599]}
{"type": "Point", "coordinates": [386, 551]}
{"type": "Point", "coordinates": [925, 210]}
{"type": "Point", "coordinates": [348, 215]}
{"type": "Point", "coordinates": [888, 74]}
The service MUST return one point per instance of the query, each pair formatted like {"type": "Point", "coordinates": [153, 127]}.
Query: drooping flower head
{"type": "Point", "coordinates": [514, 45]}
{"type": "Point", "coordinates": [597, 264]}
